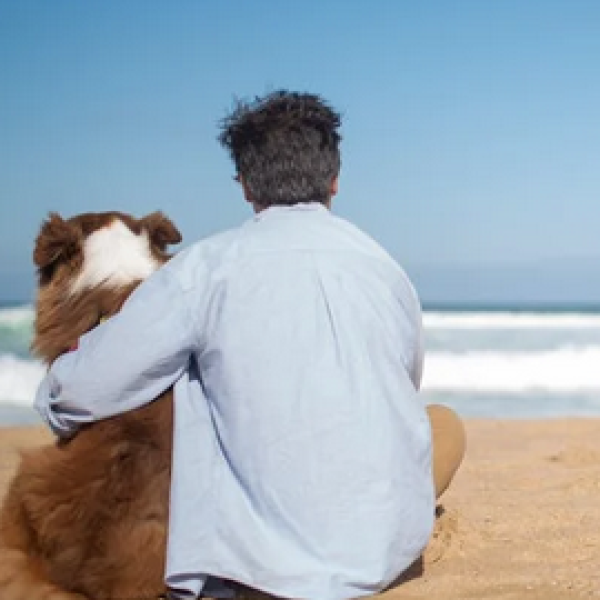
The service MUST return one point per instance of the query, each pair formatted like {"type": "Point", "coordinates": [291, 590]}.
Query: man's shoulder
{"type": "Point", "coordinates": [365, 244]}
{"type": "Point", "coordinates": [212, 245]}
{"type": "Point", "coordinates": [217, 242]}
{"type": "Point", "coordinates": [380, 259]}
{"type": "Point", "coordinates": [194, 264]}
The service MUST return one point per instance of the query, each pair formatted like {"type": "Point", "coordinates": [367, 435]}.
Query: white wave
{"type": "Point", "coordinates": [564, 370]}
{"type": "Point", "coordinates": [19, 380]}
{"type": "Point", "coordinates": [510, 320]}
{"type": "Point", "coordinates": [431, 319]}
{"type": "Point", "coordinates": [17, 315]}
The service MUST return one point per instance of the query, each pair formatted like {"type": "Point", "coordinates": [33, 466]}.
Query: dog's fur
{"type": "Point", "coordinates": [87, 518]}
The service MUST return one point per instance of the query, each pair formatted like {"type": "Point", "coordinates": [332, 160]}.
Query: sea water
{"type": "Point", "coordinates": [514, 363]}
{"type": "Point", "coordinates": [20, 372]}
{"type": "Point", "coordinates": [500, 363]}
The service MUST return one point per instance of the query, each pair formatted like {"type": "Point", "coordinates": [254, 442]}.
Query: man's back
{"type": "Point", "coordinates": [317, 444]}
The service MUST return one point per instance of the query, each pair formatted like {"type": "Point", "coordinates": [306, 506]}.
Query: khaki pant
{"type": "Point", "coordinates": [449, 441]}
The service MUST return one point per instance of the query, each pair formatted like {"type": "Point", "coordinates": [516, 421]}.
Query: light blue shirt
{"type": "Point", "coordinates": [302, 451]}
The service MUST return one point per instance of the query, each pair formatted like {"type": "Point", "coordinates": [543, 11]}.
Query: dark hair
{"type": "Point", "coordinates": [285, 147]}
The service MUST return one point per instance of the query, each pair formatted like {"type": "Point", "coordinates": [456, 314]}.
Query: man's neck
{"type": "Point", "coordinates": [259, 207]}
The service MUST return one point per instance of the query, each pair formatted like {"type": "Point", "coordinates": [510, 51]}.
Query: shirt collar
{"type": "Point", "coordinates": [293, 208]}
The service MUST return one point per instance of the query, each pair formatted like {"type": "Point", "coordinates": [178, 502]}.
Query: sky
{"type": "Point", "coordinates": [471, 130]}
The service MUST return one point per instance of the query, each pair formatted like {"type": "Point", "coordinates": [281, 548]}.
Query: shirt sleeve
{"type": "Point", "coordinates": [416, 372]}
{"type": "Point", "coordinates": [125, 362]}
{"type": "Point", "coordinates": [411, 305]}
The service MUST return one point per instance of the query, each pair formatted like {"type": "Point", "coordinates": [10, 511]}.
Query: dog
{"type": "Point", "coordinates": [86, 518]}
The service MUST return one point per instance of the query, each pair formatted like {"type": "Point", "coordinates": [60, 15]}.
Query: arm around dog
{"type": "Point", "coordinates": [125, 362]}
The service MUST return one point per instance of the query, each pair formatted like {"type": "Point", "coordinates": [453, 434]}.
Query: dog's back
{"type": "Point", "coordinates": [89, 515]}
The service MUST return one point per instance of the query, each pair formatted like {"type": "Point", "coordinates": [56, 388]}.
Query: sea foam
{"type": "Point", "coordinates": [564, 370]}
{"type": "Point", "coordinates": [511, 320]}
{"type": "Point", "coordinates": [17, 316]}
{"type": "Point", "coordinates": [19, 379]}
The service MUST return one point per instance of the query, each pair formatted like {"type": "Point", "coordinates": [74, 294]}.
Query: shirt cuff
{"type": "Point", "coordinates": [62, 423]}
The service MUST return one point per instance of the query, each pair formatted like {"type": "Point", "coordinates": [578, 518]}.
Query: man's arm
{"type": "Point", "coordinates": [125, 362]}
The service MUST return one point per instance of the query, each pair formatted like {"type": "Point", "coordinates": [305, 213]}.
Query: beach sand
{"type": "Point", "coordinates": [520, 521]}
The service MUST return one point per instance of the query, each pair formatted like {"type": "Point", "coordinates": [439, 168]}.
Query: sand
{"type": "Point", "coordinates": [520, 521]}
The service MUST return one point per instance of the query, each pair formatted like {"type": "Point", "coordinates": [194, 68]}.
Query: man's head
{"type": "Point", "coordinates": [285, 148]}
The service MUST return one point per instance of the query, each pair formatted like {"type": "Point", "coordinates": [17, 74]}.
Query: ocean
{"type": "Point", "coordinates": [484, 363]}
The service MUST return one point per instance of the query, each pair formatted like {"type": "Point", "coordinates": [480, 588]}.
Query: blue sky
{"type": "Point", "coordinates": [471, 130]}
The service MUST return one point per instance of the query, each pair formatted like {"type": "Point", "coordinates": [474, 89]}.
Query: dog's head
{"type": "Point", "coordinates": [87, 266]}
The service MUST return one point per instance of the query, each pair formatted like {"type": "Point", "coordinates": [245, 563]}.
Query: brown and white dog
{"type": "Point", "coordinates": [87, 518]}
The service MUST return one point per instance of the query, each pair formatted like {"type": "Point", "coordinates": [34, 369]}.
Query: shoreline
{"type": "Point", "coordinates": [520, 520]}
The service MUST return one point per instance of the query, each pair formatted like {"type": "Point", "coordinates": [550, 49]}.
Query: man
{"type": "Point", "coordinates": [302, 461]}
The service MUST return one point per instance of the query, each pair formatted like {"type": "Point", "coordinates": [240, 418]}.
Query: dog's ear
{"type": "Point", "coordinates": [57, 241]}
{"type": "Point", "coordinates": [161, 230]}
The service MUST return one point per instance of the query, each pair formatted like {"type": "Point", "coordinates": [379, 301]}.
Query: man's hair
{"type": "Point", "coordinates": [285, 146]}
